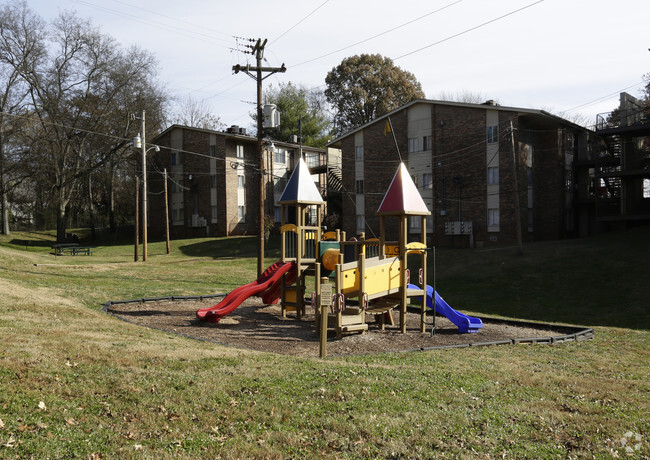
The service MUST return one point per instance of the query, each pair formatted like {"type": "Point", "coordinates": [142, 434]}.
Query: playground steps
{"type": "Point", "coordinates": [352, 319]}
{"type": "Point", "coordinates": [383, 311]}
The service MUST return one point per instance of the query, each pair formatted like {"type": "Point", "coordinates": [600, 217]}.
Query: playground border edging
{"type": "Point", "coordinates": [576, 333]}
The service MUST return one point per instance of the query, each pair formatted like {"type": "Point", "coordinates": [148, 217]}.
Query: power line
{"type": "Point", "coordinates": [299, 22]}
{"type": "Point", "coordinates": [600, 99]}
{"type": "Point", "coordinates": [469, 30]}
{"type": "Point", "coordinates": [191, 33]}
{"type": "Point", "coordinates": [379, 34]}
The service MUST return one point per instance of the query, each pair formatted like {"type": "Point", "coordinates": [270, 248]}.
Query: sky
{"type": "Point", "coordinates": [569, 57]}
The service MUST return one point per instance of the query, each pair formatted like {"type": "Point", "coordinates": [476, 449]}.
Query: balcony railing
{"type": "Point", "coordinates": [623, 118]}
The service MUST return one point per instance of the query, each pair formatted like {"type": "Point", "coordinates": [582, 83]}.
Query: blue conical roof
{"type": "Point", "coordinates": [301, 187]}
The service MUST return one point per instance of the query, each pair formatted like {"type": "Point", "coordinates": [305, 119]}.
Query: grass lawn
{"type": "Point", "coordinates": [77, 383]}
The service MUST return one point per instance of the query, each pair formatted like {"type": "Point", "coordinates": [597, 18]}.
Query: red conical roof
{"type": "Point", "coordinates": [402, 196]}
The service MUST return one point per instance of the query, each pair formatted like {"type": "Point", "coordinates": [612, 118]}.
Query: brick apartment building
{"type": "Point", "coordinates": [213, 180]}
{"type": "Point", "coordinates": [460, 157]}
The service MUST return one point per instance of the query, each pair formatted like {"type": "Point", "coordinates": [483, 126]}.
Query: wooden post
{"type": "Point", "coordinates": [423, 311]}
{"type": "Point", "coordinates": [361, 269]}
{"type": "Point", "coordinates": [136, 246]}
{"type": "Point", "coordinates": [324, 299]}
{"type": "Point", "coordinates": [382, 238]}
{"type": "Point", "coordinates": [403, 229]}
{"type": "Point", "coordinates": [338, 279]}
{"type": "Point", "coordinates": [166, 211]}
{"type": "Point", "coordinates": [300, 249]}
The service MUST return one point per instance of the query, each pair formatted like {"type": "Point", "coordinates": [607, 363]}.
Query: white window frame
{"type": "Point", "coordinates": [426, 143]}
{"type": "Point", "coordinates": [492, 134]}
{"type": "Point", "coordinates": [240, 151]}
{"type": "Point", "coordinates": [361, 223]}
{"type": "Point", "coordinates": [427, 181]}
{"type": "Point", "coordinates": [358, 153]}
{"type": "Point", "coordinates": [280, 156]}
{"type": "Point", "coordinates": [241, 213]}
{"type": "Point", "coordinates": [493, 219]}
{"type": "Point", "coordinates": [493, 175]}
{"type": "Point", "coordinates": [413, 144]}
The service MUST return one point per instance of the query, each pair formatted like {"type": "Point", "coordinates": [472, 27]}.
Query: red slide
{"type": "Point", "coordinates": [270, 279]}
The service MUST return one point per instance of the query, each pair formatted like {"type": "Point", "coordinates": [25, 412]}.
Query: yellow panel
{"type": "Point", "coordinates": [289, 228]}
{"type": "Point", "coordinates": [378, 278]}
{"type": "Point", "coordinates": [290, 295]}
{"type": "Point", "coordinates": [416, 247]}
{"type": "Point", "coordinates": [391, 250]}
{"type": "Point", "coordinates": [350, 281]}
{"type": "Point", "coordinates": [329, 236]}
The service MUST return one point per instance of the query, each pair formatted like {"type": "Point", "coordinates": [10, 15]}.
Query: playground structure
{"type": "Point", "coordinates": [352, 279]}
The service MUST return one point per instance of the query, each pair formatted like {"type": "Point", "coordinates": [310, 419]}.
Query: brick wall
{"type": "Point", "coordinates": [460, 174]}
{"type": "Point", "coordinates": [197, 194]}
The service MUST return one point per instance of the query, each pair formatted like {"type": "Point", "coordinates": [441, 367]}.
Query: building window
{"type": "Point", "coordinates": [178, 215]}
{"type": "Point", "coordinates": [361, 223]}
{"type": "Point", "coordinates": [277, 212]}
{"type": "Point", "coordinates": [358, 187]}
{"type": "Point", "coordinates": [492, 175]}
{"type": "Point", "coordinates": [177, 185]}
{"type": "Point", "coordinates": [646, 188]}
{"type": "Point", "coordinates": [427, 181]}
{"type": "Point", "coordinates": [280, 185]}
{"type": "Point", "coordinates": [280, 156]}
{"type": "Point", "coordinates": [493, 217]}
{"type": "Point", "coordinates": [413, 144]}
{"type": "Point", "coordinates": [240, 151]}
{"type": "Point", "coordinates": [568, 180]}
{"type": "Point", "coordinates": [426, 143]}
{"type": "Point", "coordinates": [570, 141]}
{"type": "Point", "coordinates": [358, 153]}
{"type": "Point", "coordinates": [312, 159]}
{"type": "Point", "coordinates": [173, 159]}
{"type": "Point", "coordinates": [492, 134]}
{"type": "Point", "coordinates": [416, 222]}
{"type": "Point", "coordinates": [213, 151]}
{"type": "Point", "coordinates": [241, 181]}
{"type": "Point", "coordinates": [213, 213]}
{"type": "Point", "coordinates": [213, 181]}
{"type": "Point", "coordinates": [241, 213]}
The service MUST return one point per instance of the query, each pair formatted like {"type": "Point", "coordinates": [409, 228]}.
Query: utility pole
{"type": "Point", "coordinates": [141, 143]}
{"type": "Point", "coordinates": [144, 193]}
{"type": "Point", "coordinates": [520, 244]}
{"type": "Point", "coordinates": [256, 74]}
{"type": "Point", "coordinates": [136, 246]}
{"type": "Point", "coordinates": [166, 211]}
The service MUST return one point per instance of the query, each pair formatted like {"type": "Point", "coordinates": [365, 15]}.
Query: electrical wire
{"type": "Point", "coordinates": [379, 34]}
{"type": "Point", "coordinates": [468, 30]}
{"type": "Point", "coordinates": [299, 22]}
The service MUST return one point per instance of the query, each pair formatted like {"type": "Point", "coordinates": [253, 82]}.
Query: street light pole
{"type": "Point", "coordinates": [140, 142]}
{"type": "Point", "coordinates": [144, 192]}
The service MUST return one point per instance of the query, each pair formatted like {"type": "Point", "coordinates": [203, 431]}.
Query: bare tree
{"type": "Point", "coordinates": [21, 43]}
{"type": "Point", "coordinates": [197, 114]}
{"type": "Point", "coordinates": [75, 92]}
{"type": "Point", "coordinates": [467, 97]}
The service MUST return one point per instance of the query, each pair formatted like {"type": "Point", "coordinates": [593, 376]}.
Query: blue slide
{"type": "Point", "coordinates": [466, 324]}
